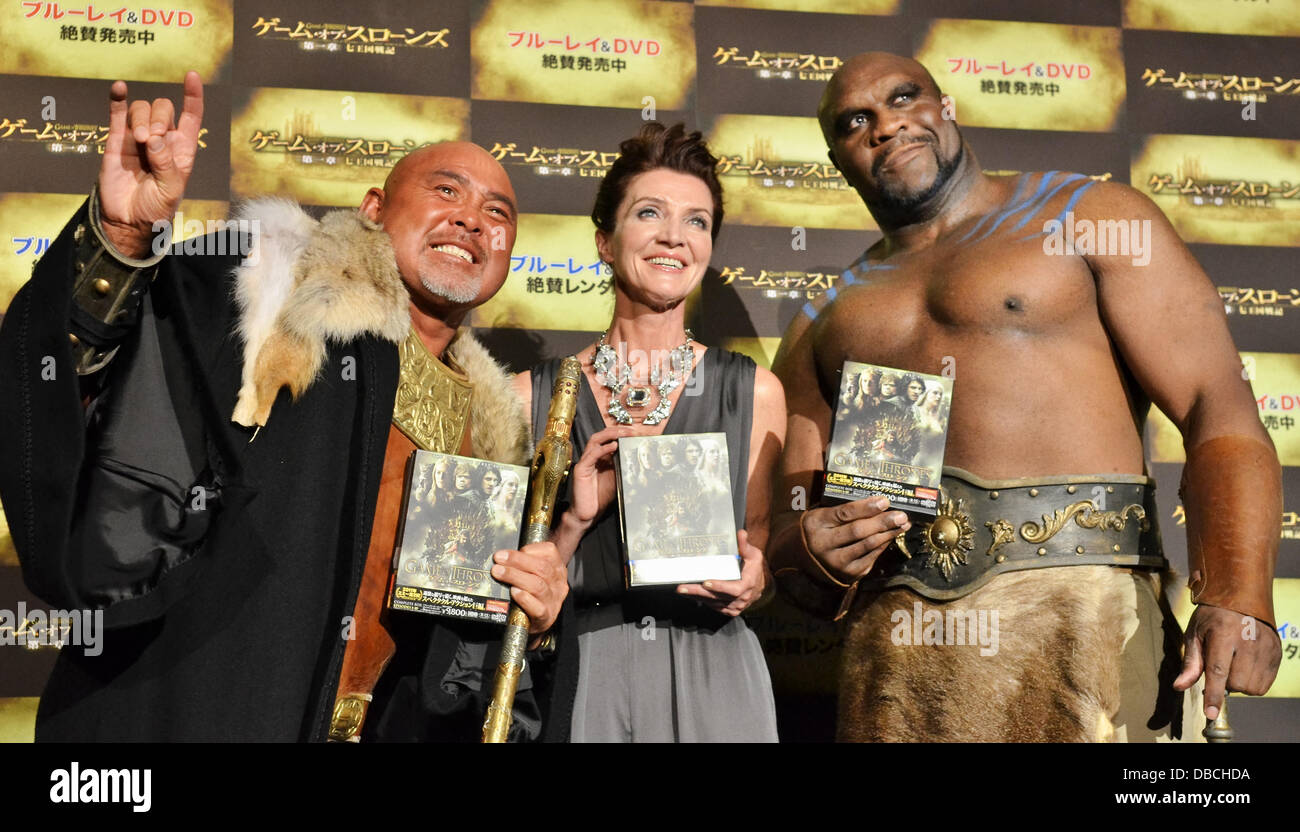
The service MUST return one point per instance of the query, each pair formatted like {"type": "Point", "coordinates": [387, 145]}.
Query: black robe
{"type": "Point", "coordinates": [225, 568]}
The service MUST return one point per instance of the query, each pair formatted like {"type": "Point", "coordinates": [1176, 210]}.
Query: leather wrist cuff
{"type": "Point", "coordinates": [1232, 495]}
{"type": "Point", "coordinates": [820, 572]}
{"type": "Point", "coordinates": [107, 291]}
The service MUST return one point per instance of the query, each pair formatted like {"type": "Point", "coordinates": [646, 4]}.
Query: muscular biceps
{"type": "Point", "coordinates": [1166, 320]}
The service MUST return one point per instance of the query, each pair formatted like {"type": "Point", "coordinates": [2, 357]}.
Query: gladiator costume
{"type": "Point", "coordinates": [1033, 609]}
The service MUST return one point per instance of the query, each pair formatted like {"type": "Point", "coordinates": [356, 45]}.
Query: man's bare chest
{"type": "Point", "coordinates": [954, 294]}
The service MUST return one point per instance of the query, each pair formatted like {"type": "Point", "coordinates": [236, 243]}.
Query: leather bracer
{"type": "Point", "coordinates": [108, 289]}
{"type": "Point", "coordinates": [1232, 493]}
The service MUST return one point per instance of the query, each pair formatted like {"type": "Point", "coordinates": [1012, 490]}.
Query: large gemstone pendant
{"type": "Point", "coordinates": [638, 396]}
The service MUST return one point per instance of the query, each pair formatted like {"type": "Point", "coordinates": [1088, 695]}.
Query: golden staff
{"type": "Point", "coordinates": [550, 467]}
{"type": "Point", "coordinates": [1219, 730]}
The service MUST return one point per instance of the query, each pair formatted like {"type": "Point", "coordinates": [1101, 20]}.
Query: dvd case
{"type": "Point", "coordinates": [674, 499]}
{"type": "Point", "coordinates": [456, 513]}
{"type": "Point", "coordinates": [888, 438]}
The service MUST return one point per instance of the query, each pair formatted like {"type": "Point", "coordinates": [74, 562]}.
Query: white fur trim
{"type": "Point", "coordinates": [265, 279]}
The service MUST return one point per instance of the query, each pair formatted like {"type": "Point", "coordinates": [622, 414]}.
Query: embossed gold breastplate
{"type": "Point", "coordinates": [432, 402]}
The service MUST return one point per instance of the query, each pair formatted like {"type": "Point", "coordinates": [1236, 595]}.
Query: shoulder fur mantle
{"type": "Point", "coordinates": [307, 282]}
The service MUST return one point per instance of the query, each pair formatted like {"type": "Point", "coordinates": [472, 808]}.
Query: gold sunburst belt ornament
{"type": "Point", "coordinates": [946, 539]}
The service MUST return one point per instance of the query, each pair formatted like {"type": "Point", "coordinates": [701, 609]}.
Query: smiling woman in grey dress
{"type": "Point", "coordinates": [676, 664]}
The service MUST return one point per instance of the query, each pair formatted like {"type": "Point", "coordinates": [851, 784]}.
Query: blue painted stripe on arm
{"type": "Point", "coordinates": [870, 267]}
{"type": "Point", "coordinates": [1020, 189]}
{"type": "Point", "coordinates": [1014, 209]}
{"type": "Point", "coordinates": [1038, 205]}
{"type": "Point", "coordinates": [977, 227]}
{"type": "Point", "coordinates": [1069, 206]}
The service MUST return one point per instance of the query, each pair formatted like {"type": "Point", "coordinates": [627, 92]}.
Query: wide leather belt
{"type": "Point", "coordinates": [986, 527]}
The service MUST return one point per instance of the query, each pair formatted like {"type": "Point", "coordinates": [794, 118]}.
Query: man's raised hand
{"type": "Point", "coordinates": [148, 158]}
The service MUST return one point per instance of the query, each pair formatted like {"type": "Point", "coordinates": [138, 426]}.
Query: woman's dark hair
{"type": "Point", "coordinates": [657, 147]}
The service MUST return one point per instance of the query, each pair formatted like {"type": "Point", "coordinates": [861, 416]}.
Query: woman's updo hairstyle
{"type": "Point", "coordinates": [656, 147]}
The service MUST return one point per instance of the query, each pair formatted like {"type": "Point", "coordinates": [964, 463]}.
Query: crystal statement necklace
{"type": "Point", "coordinates": [617, 379]}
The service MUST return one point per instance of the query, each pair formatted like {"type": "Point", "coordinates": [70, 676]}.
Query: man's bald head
{"type": "Point", "coordinates": [450, 212]}
{"type": "Point", "coordinates": [431, 154]}
{"type": "Point", "coordinates": [888, 129]}
{"type": "Point", "coordinates": [863, 69]}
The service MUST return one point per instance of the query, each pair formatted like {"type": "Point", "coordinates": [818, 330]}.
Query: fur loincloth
{"type": "Point", "coordinates": [1055, 676]}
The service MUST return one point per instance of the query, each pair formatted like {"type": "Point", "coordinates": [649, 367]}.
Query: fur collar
{"type": "Point", "coordinates": [306, 282]}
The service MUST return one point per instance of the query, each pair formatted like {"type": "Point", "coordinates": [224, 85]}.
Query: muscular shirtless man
{"type": "Point", "coordinates": [1048, 529]}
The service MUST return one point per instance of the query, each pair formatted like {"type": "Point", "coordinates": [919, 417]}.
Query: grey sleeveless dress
{"type": "Point", "coordinates": [655, 666]}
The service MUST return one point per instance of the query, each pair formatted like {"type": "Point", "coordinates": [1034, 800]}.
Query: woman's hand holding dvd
{"type": "Point", "coordinates": [594, 488]}
{"type": "Point", "coordinates": [733, 597]}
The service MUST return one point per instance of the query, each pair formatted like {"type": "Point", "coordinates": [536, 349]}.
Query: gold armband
{"type": "Point", "coordinates": [1232, 494]}
{"type": "Point", "coordinates": [107, 291]}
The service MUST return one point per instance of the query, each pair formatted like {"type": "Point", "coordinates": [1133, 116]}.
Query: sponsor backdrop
{"type": "Point", "coordinates": [1196, 103]}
